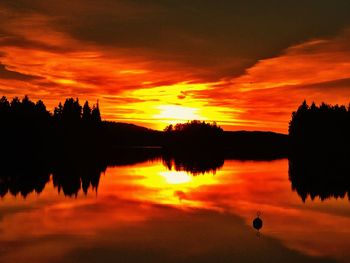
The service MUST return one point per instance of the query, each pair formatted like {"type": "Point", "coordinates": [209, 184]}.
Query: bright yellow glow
{"type": "Point", "coordinates": [157, 184]}
{"type": "Point", "coordinates": [66, 81]}
{"type": "Point", "coordinates": [171, 104]}
{"type": "Point", "coordinates": [175, 113]}
{"type": "Point", "coordinates": [173, 177]}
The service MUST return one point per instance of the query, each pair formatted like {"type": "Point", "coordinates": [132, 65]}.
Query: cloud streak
{"type": "Point", "coordinates": [245, 64]}
{"type": "Point", "coordinates": [10, 74]}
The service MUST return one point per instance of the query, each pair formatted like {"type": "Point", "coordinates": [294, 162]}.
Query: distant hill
{"type": "Point", "coordinates": [119, 134]}
{"type": "Point", "coordinates": [255, 144]}
{"type": "Point", "coordinates": [125, 127]}
{"type": "Point", "coordinates": [235, 144]}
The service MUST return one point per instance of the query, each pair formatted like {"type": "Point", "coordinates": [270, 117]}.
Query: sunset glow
{"type": "Point", "coordinates": [179, 75]}
{"type": "Point", "coordinates": [181, 131]}
{"type": "Point", "coordinates": [174, 113]}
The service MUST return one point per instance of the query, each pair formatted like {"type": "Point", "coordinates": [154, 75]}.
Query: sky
{"type": "Point", "coordinates": [244, 64]}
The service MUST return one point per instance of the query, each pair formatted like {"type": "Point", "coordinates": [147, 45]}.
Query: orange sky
{"type": "Point", "coordinates": [150, 65]}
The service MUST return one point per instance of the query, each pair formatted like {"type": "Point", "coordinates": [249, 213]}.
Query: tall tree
{"type": "Point", "coordinates": [86, 117]}
{"type": "Point", "coordinates": [71, 112]}
{"type": "Point", "coordinates": [95, 113]}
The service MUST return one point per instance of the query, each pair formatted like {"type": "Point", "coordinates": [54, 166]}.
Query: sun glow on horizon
{"type": "Point", "coordinates": [175, 113]}
{"type": "Point", "coordinates": [158, 106]}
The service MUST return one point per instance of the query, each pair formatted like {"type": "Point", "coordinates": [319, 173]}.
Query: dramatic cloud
{"type": "Point", "coordinates": [317, 70]}
{"type": "Point", "coordinates": [245, 64]}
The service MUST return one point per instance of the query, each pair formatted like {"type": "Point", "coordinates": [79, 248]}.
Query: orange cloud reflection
{"type": "Point", "coordinates": [131, 196]}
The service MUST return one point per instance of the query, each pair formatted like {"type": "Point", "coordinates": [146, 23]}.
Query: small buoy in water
{"type": "Point", "coordinates": [257, 222]}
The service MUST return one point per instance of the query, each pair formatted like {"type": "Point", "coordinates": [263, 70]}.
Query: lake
{"type": "Point", "coordinates": [155, 211]}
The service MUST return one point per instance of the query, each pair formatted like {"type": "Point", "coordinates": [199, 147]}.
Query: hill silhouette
{"type": "Point", "coordinates": [255, 145]}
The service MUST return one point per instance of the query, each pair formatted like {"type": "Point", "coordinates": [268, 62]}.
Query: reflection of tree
{"type": "Point", "coordinates": [322, 178]}
{"type": "Point", "coordinates": [70, 173]}
{"type": "Point", "coordinates": [71, 177]}
{"type": "Point", "coordinates": [68, 177]}
{"type": "Point", "coordinates": [193, 163]}
{"type": "Point", "coordinates": [23, 179]}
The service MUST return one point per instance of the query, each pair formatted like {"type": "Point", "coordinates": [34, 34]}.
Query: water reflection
{"type": "Point", "coordinates": [194, 163]}
{"type": "Point", "coordinates": [312, 178]}
{"type": "Point", "coordinates": [23, 180]}
{"type": "Point", "coordinates": [67, 177]}
{"type": "Point", "coordinates": [70, 176]}
{"type": "Point", "coordinates": [321, 178]}
{"type": "Point", "coordinates": [151, 212]}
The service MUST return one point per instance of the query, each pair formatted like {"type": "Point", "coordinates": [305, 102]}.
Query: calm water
{"type": "Point", "coordinates": [148, 213]}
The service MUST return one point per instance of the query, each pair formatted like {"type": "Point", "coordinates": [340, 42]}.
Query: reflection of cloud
{"type": "Point", "coordinates": [135, 208]}
{"type": "Point", "coordinates": [180, 194]}
{"type": "Point", "coordinates": [161, 234]}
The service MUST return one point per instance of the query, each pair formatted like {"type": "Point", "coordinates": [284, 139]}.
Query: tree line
{"type": "Point", "coordinates": [25, 111]}
{"type": "Point", "coordinates": [322, 129]}
{"type": "Point", "coordinates": [29, 130]}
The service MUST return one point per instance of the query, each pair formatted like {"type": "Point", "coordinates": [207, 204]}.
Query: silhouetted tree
{"type": "Point", "coordinates": [320, 129]}
{"type": "Point", "coordinates": [58, 112]}
{"type": "Point", "coordinates": [193, 135]}
{"type": "Point", "coordinates": [4, 103]}
{"type": "Point", "coordinates": [30, 130]}
{"type": "Point", "coordinates": [169, 128]}
{"type": "Point", "coordinates": [71, 113]}
{"type": "Point", "coordinates": [4, 112]}
{"type": "Point", "coordinates": [95, 114]}
{"type": "Point", "coordinates": [86, 117]}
